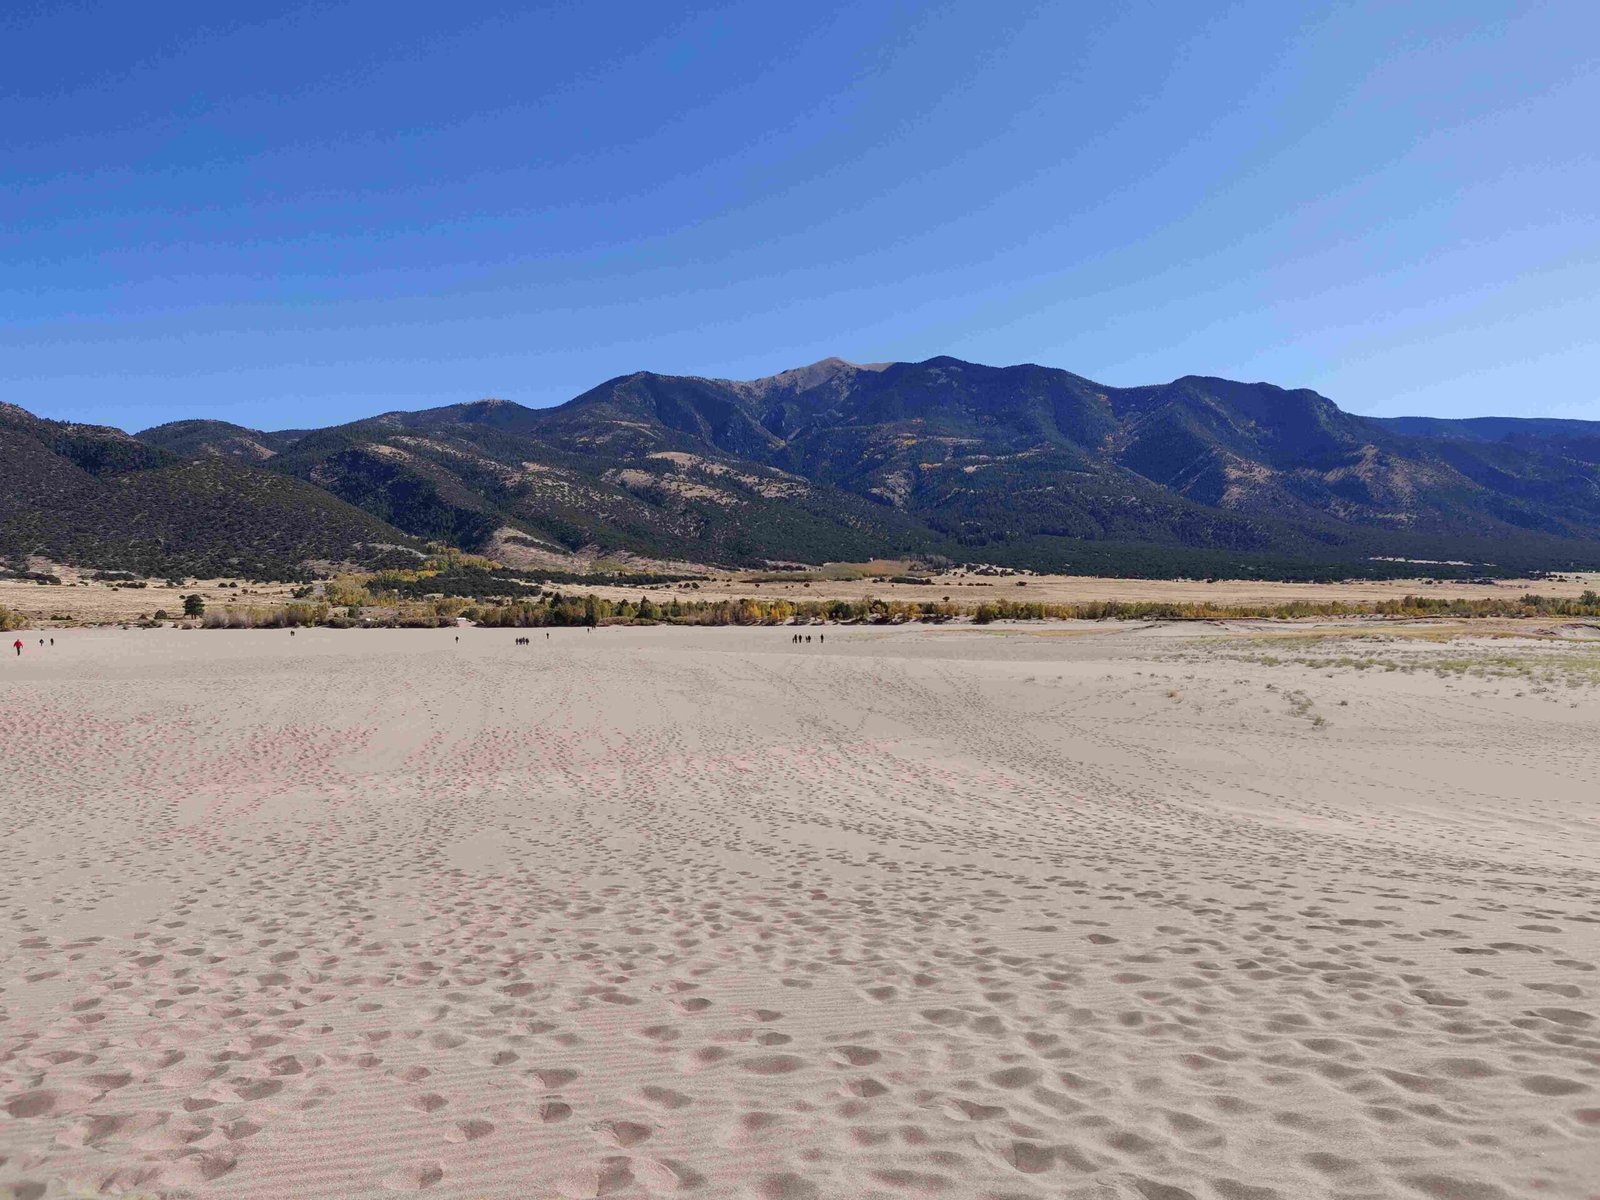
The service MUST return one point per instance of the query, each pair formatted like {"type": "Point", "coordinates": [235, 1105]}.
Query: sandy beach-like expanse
{"type": "Point", "coordinates": [1087, 911]}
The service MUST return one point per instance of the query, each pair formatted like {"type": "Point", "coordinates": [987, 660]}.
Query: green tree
{"type": "Point", "coordinates": [194, 605]}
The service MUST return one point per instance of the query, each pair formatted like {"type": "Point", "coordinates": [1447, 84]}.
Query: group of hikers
{"type": "Point", "coordinates": [797, 640]}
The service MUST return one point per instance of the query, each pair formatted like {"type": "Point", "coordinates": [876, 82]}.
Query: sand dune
{"type": "Point", "coordinates": [1134, 914]}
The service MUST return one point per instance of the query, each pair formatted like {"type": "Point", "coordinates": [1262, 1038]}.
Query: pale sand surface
{"type": "Point", "coordinates": [917, 913]}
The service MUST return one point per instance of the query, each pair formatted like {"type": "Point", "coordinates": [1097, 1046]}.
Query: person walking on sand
{"type": "Point", "coordinates": [18, 644]}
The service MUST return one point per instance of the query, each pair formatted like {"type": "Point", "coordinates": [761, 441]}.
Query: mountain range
{"type": "Point", "coordinates": [1026, 466]}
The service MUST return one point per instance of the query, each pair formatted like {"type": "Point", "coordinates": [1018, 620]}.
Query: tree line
{"type": "Point", "coordinates": [563, 609]}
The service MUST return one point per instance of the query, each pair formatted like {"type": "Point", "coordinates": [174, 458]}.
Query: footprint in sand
{"type": "Point", "coordinates": [470, 1130]}
{"type": "Point", "coordinates": [773, 1064]}
{"type": "Point", "coordinates": [751, 1124]}
{"type": "Point", "coordinates": [854, 1056]}
{"type": "Point", "coordinates": [1553, 1085]}
{"type": "Point", "coordinates": [968, 1110]}
{"type": "Point", "coordinates": [866, 1088]}
{"type": "Point", "coordinates": [786, 1186]}
{"type": "Point", "coordinates": [551, 1079]}
{"type": "Point", "coordinates": [666, 1175]}
{"type": "Point", "coordinates": [551, 1112]}
{"type": "Point", "coordinates": [414, 1178]}
{"type": "Point", "coordinates": [707, 1056]}
{"type": "Point", "coordinates": [665, 1097]}
{"type": "Point", "coordinates": [43, 1103]}
{"type": "Point", "coordinates": [1015, 1077]}
{"type": "Point", "coordinates": [621, 1134]}
{"type": "Point", "coordinates": [604, 1178]}
{"type": "Point", "coordinates": [203, 1167]}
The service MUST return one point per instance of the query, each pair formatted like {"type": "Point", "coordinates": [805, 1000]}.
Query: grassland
{"type": "Point", "coordinates": [479, 590]}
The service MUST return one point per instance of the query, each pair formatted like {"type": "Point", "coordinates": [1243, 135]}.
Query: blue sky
{"type": "Point", "coordinates": [298, 214]}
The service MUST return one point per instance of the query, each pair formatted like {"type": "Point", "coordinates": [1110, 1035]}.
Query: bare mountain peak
{"type": "Point", "coordinates": [813, 375]}
{"type": "Point", "coordinates": [941, 455]}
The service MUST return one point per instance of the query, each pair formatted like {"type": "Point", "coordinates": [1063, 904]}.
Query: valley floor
{"type": "Point", "coordinates": [1093, 911]}
{"type": "Point", "coordinates": [87, 602]}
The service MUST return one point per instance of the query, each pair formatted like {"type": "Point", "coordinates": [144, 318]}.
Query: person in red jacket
{"type": "Point", "coordinates": [18, 645]}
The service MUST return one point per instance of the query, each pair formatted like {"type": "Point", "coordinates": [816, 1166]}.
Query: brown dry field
{"type": "Point", "coordinates": [82, 602]}
{"type": "Point", "coordinates": [89, 603]}
{"type": "Point", "coordinates": [1074, 589]}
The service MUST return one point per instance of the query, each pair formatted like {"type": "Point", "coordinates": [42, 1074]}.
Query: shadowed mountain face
{"type": "Point", "coordinates": [994, 457]}
{"type": "Point", "coordinates": [532, 485]}
{"type": "Point", "coordinates": [1025, 465]}
{"type": "Point", "coordinates": [94, 496]}
{"type": "Point", "coordinates": [218, 439]}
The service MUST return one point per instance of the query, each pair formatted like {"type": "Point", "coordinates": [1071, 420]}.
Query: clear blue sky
{"type": "Point", "coordinates": [295, 214]}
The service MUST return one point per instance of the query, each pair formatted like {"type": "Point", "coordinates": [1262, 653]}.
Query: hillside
{"type": "Point", "coordinates": [1038, 466]}
{"type": "Point", "coordinates": [493, 475]}
{"type": "Point", "coordinates": [1027, 466]}
{"type": "Point", "coordinates": [218, 439]}
{"type": "Point", "coordinates": [1492, 429]}
{"type": "Point", "coordinates": [94, 496]}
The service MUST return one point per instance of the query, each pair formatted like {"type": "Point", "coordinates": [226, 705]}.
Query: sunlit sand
{"type": "Point", "coordinates": [1145, 913]}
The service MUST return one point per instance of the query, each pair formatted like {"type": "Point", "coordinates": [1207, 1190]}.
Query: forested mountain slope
{"type": "Point", "coordinates": [1026, 465]}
